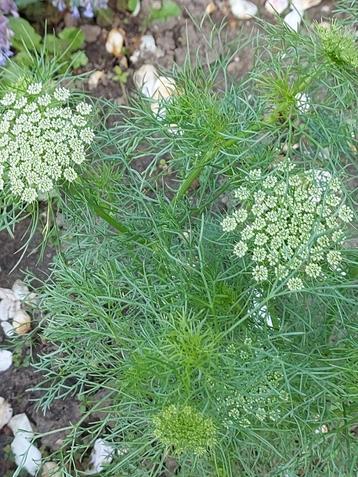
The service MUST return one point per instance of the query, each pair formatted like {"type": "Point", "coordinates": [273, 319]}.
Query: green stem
{"type": "Point", "coordinates": [194, 174]}
{"type": "Point", "coordinates": [198, 168]}
{"type": "Point", "coordinates": [100, 211]}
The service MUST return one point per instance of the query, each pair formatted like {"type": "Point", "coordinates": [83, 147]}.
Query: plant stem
{"type": "Point", "coordinates": [194, 174]}
{"type": "Point", "coordinates": [100, 211]}
{"type": "Point", "coordinates": [197, 169]}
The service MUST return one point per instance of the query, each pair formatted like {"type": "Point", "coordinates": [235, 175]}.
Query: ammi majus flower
{"type": "Point", "coordinates": [42, 140]}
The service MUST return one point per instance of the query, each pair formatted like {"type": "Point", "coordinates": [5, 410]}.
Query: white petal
{"type": "Point", "coordinates": [20, 424]}
{"type": "Point", "coordinates": [5, 359]}
{"type": "Point", "coordinates": [276, 6]}
{"type": "Point", "coordinates": [101, 455]}
{"type": "Point", "coordinates": [243, 9]}
{"type": "Point", "coordinates": [293, 19]}
{"type": "Point", "coordinates": [27, 456]}
{"type": "Point", "coordinates": [5, 412]}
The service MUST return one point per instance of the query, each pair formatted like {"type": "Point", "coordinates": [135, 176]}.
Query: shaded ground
{"type": "Point", "coordinates": [171, 39]}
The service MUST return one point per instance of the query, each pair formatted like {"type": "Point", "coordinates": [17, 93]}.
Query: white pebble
{"type": "Point", "coordinates": [7, 328]}
{"type": "Point", "coordinates": [101, 455]}
{"type": "Point", "coordinates": [27, 456]}
{"type": "Point", "coordinates": [8, 308]}
{"type": "Point", "coordinates": [22, 322]}
{"type": "Point", "coordinates": [302, 102]}
{"type": "Point", "coordinates": [276, 6]}
{"type": "Point", "coordinates": [145, 80]}
{"type": "Point", "coordinates": [20, 290]}
{"type": "Point", "coordinates": [303, 5]}
{"type": "Point", "coordinates": [20, 424]}
{"type": "Point", "coordinates": [5, 412]}
{"type": "Point", "coordinates": [5, 360]}
{"type": "Point", "coordinates": [51, 469]}
{"type": "Point", "coordinates": [147, 44]}
{"type": "Point", "coordinates": [115, 42]}
{"type": "Point", "coordinates": [243, 9]}
{"type": "Point", "coordinates": [293, 19]}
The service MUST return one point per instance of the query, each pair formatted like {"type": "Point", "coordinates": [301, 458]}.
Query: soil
{"type": "Point", "coordinates": [172, 38]}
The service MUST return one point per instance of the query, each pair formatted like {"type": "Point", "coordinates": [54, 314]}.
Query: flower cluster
{"type": "Point", "coordinates": [86, 7]}
{"type": "Point", "coordinates": [291, 224]}
{"type": "Point", "coordinates": [184, 428]}
{"type": "Point", "coordinates": [41, 140]}
{"type": "Point", "coordinates": [256, 400]}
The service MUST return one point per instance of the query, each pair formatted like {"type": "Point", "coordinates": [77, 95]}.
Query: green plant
{"type": "Point", "coordinates": [66, 47]}
{"type": "Point", "coordinates": [181, 355]}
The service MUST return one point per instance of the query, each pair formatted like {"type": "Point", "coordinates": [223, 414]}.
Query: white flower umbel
{"type": "Point", "coordinates": [42, 140]}
{"type": "Point", "coordinates": [290, 225]}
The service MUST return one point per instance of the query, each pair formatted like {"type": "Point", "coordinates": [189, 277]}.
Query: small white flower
{"type": "Point", "coordinates": [345, 213]}
{"type": "Point", "coordinates": [313, 270]}
{"type": "Point", "coordinates": [334, 258]}
{"type": "Point", "coordinates": [255, 174]}
{"type": "Point", "coordinates": [260, 273]}
{"type": "Point", "coordinates": [8, 99]}
{"type": "Point", "coordinates": [240, 215]}
{"type": "Point", "coordinates": [20, 103]}
{"type": "Point", "coordinates": [240, 249]}
{"type": "Point", "coordinates": [34, 88]}
{"type": "Point", "coordinates": [61, 94]}
{"type": "Point", "coordinates": [87, 135]}
{"type": "Point", "coordinates": [70, 174]}
{"type": "Point", "coordinates": [229, 224]}
{"type": "Point", "coordinates": [294, 284]}
{"type": "Point", "coordinates": [241, 193]}
{"type": "Point", "coordinates": [84, 108]}
{"type": "Point", "coordinates": [44, 100]}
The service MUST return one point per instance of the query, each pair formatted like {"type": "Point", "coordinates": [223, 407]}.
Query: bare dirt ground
{"type": "Point", "coordinates": [172, 38]}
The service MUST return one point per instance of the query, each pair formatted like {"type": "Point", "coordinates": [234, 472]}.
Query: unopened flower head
{"type": "Point", "coordinates": [42, 140]}
{"type": "Point", "coordinates": [290, 225]}
{"type": "Point", "coordinates": [338, 45]}
{"type": "Point", "coordinates": [259, 399]}
{"type": "Point", "coordinates": [184, 428]}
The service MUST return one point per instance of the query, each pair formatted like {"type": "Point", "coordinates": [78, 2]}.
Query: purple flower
{"type": "Point", "coordinates": [75, 12]}
{"type": "Point", "coordinates": [5, 35]}
{"type": "Point", "coordinates": [88, 10]}
{"type": "Point", "coordinates": [59, 4]}
{"type": "Point", "coordinates": [87, 7]}
{"type": "Point", "coordinates": [8, 7]}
